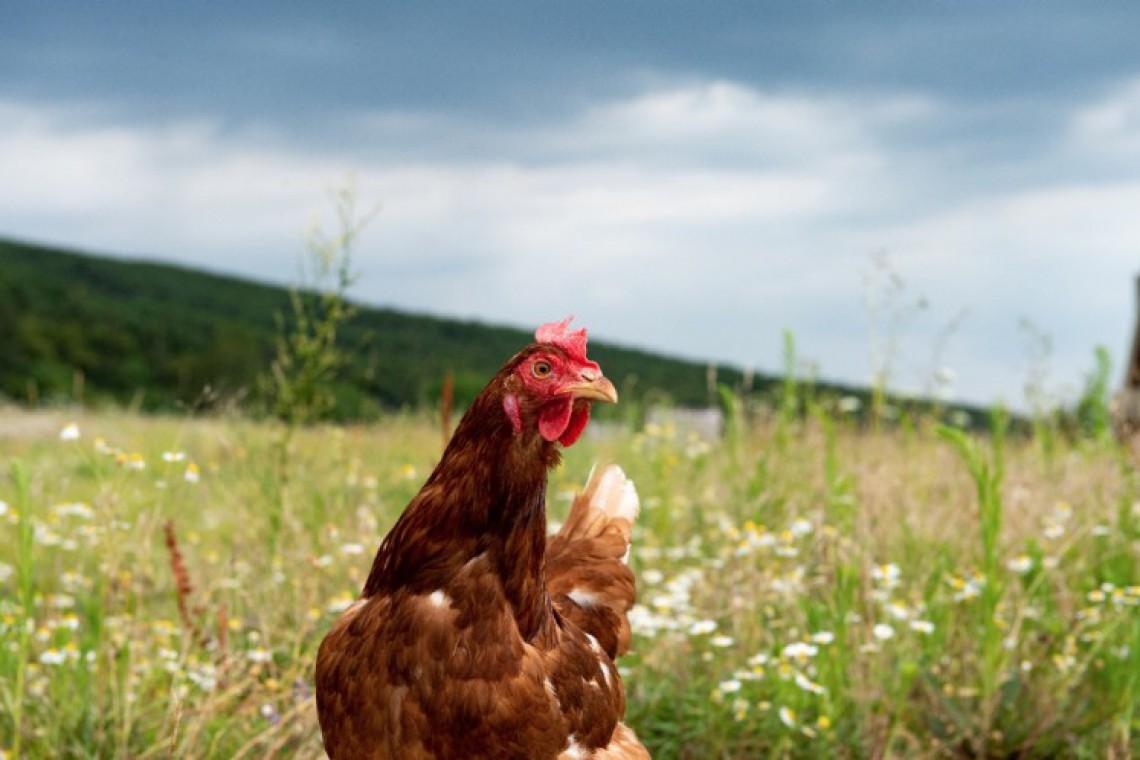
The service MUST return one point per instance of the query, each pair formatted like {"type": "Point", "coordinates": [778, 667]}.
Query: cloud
{"type": "Point", "coordinates": [1114, 121]}
{"type": "Point", "coordinates": [698, 217]}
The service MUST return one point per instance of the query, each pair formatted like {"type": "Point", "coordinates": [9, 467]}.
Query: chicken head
{"type": "Point", "coordinates": [553, 384]}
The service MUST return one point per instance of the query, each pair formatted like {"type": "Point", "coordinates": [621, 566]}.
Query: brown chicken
{"type": "Point", "coordinates": [476, 636]}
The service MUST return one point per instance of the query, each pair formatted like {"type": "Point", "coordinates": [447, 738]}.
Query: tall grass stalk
{"type": "Point", "coordinates": [25, 583]}
{"type": "Point", "coordinates": [301, 379]}
{"type": "Point", "coordinates": [789, 393]}
{"type": "Point", "coordinates": [987, 473]}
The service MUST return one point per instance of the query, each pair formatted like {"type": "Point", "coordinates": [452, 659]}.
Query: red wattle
{"type": "Point", "coordinates": [577, 424]}
{"type": "Point", "coordinates": [554, 418]}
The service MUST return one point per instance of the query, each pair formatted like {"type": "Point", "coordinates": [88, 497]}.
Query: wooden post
{"type": "Point", "coordinates": [1132, 374]}
{"type": "Point", "coordinates": [446, 401]}
{"type": "Point", "coordinates": [1125, 409]}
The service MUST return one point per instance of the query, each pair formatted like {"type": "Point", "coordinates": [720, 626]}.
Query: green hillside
{"type": "Point", "coordinates": [157, 336]}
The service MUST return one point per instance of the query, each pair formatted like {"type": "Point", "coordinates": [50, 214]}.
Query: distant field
{"type": "Point", "coordinates": [807, 589]}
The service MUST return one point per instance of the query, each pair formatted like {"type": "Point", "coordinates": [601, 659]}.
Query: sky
{"type": "Point", "coordinates": [945, 194]}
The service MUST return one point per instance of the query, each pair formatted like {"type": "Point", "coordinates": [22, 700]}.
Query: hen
{"type": "Point", "coordinates": [476, 636]}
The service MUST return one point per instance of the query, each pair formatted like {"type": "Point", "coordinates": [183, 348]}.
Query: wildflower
{"type": "Point", "coordinates": [408, 471]}
{"type": "Point", "coordinates": [823, 637]}
{"type": "Point", "coordinates": [1055, 523]}
{"type": "Point", "coordinates": [887, 576]}
{"type": "Point", "coordinates": [3, 507]}
{"type": "Point", "coordinates": [967, 588]}
{"type": "Point", "coordinates": [101, 446]}
{"type": "Point", "coordinates": [204, 676]}
{"type": "Point", "coordinates": [259, 655]}
{"type": "Point", "coordinates": [165, 628]}
{"type": "Point", "coordinates": [739, 709]}
{"type": "Point", "coordinates": [730, 686]}
{"type": "Point", "coordinates": [922, 626]}
{"type": "Point", "coordinates": [758, 660]}
{"type": "Point", "coordinates": [806, 684]}
{"type": "Point", "coordinates": [61, 601]}
{"type": "Point", "coordinates": [135, 462]}
{"type": "Point", "coordinates": [755, 674]}
{"type": "Point", "coordinates": [1100, 530]}
{"type": "Point", "coordinates": [823, 722]}
{"type": "Point", "coordinates": [341, 602]}
{"type": "Point", "coordinates": [761, 539]}
{"type": "Point", "coordinates": [702, 627]}
{"type": "Point", "coordinates": [1021, 564]}
{"type": "Point", "coordinates": [652, 576]}
{"type": "Point", "coordinates": [173, 456]}
{"type": "Point", "coordinates": [801, 528]}
{"type": "Point", "coordinates": [791, 583]}
{"type": "Point", "coordinates": [850, 404]}
{"type": "Point", "coordinates": [1096, 596]}
{"type": "Point", "coordinates": [788, 717]}
{"type": "Point", "coordinates": [352, 548]}
{"type": "Point", "coordinates": [722, 641]}
{"type": "Point", "coordinates": [800, 650]}
{"type": "Point", "coordinates": [78, 509]}
{"type": "Point", "coordinates": [898, 611]}
{"type": "Point", "coordinates": [45, 536]}
{"type": "Point", "coordinates": [269, 712]}
{"type": "Point", "coordinates": [882, 631]}
{"type": "Point", "coordinates": [72, 581]}
{"type": "Point", "coordinates": [192, 474]}
{"type": "Point", "coordinates": [696, 447]}
{"type": "Point", "coordinates": [6, 571]}
{"type": "Point", "coordinates": [53, 657]}
{"type": "Point", "coordinates": [70, 432]}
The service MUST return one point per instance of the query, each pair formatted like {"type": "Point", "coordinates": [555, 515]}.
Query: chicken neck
{"type": "Point", "coordinates": [487, 496]}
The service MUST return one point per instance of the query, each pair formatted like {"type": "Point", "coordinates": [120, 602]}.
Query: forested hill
{"type": "Point", "coordinates": [157, 336]}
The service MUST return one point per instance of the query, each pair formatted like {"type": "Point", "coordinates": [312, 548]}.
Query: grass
{"type": "Point", "coordinates": [807, 588]}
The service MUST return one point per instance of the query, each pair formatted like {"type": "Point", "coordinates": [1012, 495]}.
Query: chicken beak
{"type": "Point", "coordinates": [595, 387]}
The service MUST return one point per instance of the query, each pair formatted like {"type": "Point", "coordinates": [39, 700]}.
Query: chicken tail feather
{"type": "Point", "coordinates": [587, 573]}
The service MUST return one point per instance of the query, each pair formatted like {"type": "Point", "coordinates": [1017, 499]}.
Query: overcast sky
{"type": "Point", "coordinates": [693, 178]}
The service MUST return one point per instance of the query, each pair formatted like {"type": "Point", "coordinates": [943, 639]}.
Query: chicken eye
{"type": "Point", "coordinates": [541, 369]}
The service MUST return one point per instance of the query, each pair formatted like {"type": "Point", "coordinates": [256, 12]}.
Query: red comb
{"type": "Point", "coordinates": [573, 342]}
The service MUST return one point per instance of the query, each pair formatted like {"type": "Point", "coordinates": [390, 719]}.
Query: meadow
{"type": "Point", "coordinates": [809, 586]}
